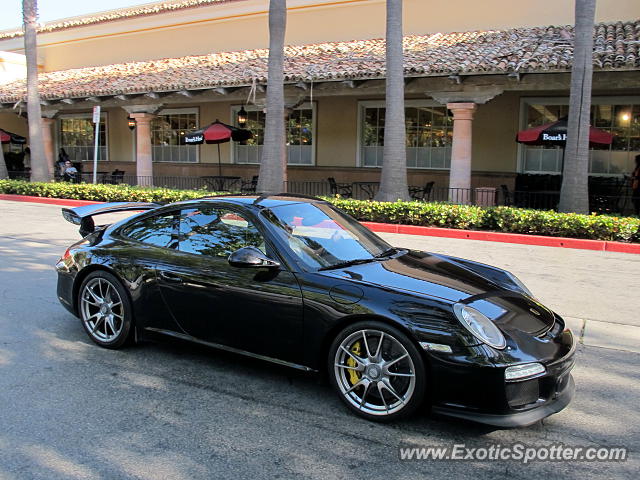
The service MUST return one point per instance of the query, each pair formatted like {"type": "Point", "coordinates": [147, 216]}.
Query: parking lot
{"type": "Point", "coordinates": [69, 409]}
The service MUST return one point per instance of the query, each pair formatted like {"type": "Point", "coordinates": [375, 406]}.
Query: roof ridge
{"type": "Point", "coordinates": [142, 10]}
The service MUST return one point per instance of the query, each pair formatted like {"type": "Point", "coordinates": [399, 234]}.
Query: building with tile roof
{"type": "Point", "coordinates": [509, 73]}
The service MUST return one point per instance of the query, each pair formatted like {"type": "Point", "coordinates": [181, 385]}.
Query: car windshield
{"type": "Point", "coordinates": [323, 237]}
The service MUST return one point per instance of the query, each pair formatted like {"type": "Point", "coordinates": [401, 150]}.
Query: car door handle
{"type": "Point", "coordinates": [170, 277]}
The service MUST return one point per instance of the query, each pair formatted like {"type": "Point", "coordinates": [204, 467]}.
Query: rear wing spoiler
{"type": "Point", "coordinates": [83, 216]}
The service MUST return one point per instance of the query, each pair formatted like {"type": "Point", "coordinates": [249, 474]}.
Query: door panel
{"type": "Point", "coordinates": [251, 309]}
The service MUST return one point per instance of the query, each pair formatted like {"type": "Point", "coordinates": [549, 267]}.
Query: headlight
{"type": "Point", "coordinates": [479, 325]}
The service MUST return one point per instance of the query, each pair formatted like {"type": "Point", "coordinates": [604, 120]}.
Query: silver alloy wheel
{"type": "Point", "coordinates": [374, 372]}
{"type": "Point", "coordinates": [101, 309]}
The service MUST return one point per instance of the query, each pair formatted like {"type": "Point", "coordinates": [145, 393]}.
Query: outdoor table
{"type": "Point", "coordinates": [222, 182]}
{"type": "Point", "coordinates": [370, 188]}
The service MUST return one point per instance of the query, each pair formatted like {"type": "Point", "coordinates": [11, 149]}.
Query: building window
{"type": "Point", "coordinates": [429, 130]}
{"type": "Point", "coordinates": [300, 130]}
{"type": "Point", "coordinates": [77, 137]}
{"type": "Point", "coordinates": [614, 115]}
{"type": "Point", "coordinates": [167, 135]}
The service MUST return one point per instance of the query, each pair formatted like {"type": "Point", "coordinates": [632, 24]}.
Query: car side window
{"type": "Point", "coordinates": [158, 230]}
{"type": "Point", "coordinates": [216, 232]}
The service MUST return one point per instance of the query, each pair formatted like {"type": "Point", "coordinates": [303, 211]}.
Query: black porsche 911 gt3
{"type": "Point", "coordinates": [293, 280]}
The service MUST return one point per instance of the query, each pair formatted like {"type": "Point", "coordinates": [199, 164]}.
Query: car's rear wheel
{"type": "Point", "coordinates": [105, 310]}
{"type": "Point", "coordinates": [377, 371]}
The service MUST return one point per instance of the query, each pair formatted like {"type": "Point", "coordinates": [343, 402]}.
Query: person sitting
{"type": "Point", "coordinates": [70, 173]}
{"type": "Point", "coordinates": [63, 158]}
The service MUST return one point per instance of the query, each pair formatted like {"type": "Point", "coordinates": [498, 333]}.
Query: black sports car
{"type": "Point", "coordinates": [293, 280]}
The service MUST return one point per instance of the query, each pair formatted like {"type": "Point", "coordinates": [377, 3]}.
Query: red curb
{"type": "Point", "coordinates": [65, 202]}
{"type": "Point", "coordinates": [522, 239]}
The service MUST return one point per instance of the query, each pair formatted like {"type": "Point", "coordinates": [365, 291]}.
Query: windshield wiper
{"type": "Point", "coordinates": [388, 252]}
{"type": "Point", "coordinates": [349, 263]}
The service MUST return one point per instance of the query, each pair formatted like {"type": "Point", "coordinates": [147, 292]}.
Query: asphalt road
{"type": "Point", "coordinates": [69, 409]}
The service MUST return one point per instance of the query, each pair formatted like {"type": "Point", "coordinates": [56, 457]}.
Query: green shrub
{"type": "Point", "coordinates": [100, 193]}
{"type": "Point", "coordinates": [502, 219]}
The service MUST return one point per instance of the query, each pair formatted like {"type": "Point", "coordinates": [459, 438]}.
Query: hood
{"type": "Point", "coordinates": [439, 277]}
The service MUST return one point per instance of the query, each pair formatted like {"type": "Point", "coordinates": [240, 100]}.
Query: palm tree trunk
{"type": "Point", "coordinates": [574, 195]}
{"type": "Point", "coordinates": [393, 178]}
{"type": "Point", "coordinates": [40, 171]}
{"type": "Point", "coordinates": [3, 166]}
{"type": "Point", "coordinates": [273, 168]}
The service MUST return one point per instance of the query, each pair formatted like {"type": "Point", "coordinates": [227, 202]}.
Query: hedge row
{"type": "Point", "coordinates": [502, 219]}
{"type": "Point", "coordinates": [99, 193]}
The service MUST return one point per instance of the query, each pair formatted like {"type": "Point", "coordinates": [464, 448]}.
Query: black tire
{"type": "Point", "coordinates": [109, 326]}
{"type": "Point", "coordinates": [406, 376]}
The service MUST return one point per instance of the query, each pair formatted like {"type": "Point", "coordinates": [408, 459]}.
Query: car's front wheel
{"type": "Point", "coordinates": [105, 310]}
{"type": "Point", "coordinates": [377, 371]}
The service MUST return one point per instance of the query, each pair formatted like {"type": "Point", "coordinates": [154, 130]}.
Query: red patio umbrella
{"type": "Point", "coordinates": [555, 134]}
{"type": "Point", "coordinates": [8, 137]}
{"type": "Point", "coordinates": [217, 133]}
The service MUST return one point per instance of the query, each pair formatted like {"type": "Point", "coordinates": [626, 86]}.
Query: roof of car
{"type": "Point", "coordinates": [268, 201]}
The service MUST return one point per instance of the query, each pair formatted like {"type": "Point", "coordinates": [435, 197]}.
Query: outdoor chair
{"type": "Point", "coordinates": [421, 193]}
{"type": "Point", "coordinates": [342, 189]}
{"type": "Point", "coordinates": [249, 186]}
{"type": "Point", "coordinates": [116, 177]}
{"type": "Point", "coordinates": [506, 196]}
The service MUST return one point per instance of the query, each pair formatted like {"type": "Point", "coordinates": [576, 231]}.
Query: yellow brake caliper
{"type": "Point", "coordinates": [354, 376]}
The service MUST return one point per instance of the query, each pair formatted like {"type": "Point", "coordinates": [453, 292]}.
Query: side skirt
{"type": "Point", "coordinates": [189, 338]}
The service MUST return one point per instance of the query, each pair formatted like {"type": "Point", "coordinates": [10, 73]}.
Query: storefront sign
{"type": "Point", "coordinates": [561, 137]}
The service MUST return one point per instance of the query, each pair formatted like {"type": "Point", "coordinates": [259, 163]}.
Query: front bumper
{"type": "Point", "coordinates": [517, 419]}
{"type": "Point", "coordinates": [480, 392]}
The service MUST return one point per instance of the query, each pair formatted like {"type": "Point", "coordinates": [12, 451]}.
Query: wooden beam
{"type": "Point", "coordinates": [68, 101]}
{"type": "Point", "coordinates": [302, 85]}
{"type": "Point", "coordinates": [221, 90]}
{"type": "Point", "coordinates": [94, 99]}
{"type": "Point", "coordinates": [152, 95]}
{"type": "Point", "coordinates": [185, 93]}
{"type": "Point", "coordinates": [122, 97]}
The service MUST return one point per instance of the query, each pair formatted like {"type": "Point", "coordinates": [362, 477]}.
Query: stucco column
{"type": "Point", "coordinates": [144, 163]}
{"type": "Point", "coordinates": [460, 173]}
{"type": "Point", "coordinates": [47, 138]}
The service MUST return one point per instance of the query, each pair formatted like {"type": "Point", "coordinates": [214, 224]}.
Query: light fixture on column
{"type": "Point", "coordinates": [131, 123]}
{"type": "Point", "coordinates": [242, 117]}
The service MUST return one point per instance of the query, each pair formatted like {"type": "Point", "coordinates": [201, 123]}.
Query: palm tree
{"type": "Point", "coordinates": [40, 171]}
{"type": "Point", "coordinates": [393, 178]}
{"type": "Point", "coordinates": [273, 165]}
{"type": "Point", "coordinates": [574, 194]}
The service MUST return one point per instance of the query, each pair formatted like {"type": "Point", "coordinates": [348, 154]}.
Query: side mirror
{"type": "Point", "coordinates": [251, 257]}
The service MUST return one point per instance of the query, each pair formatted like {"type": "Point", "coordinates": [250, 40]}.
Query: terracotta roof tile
{"type": "Point", "coordinates": [113, 15]}
{"type": "Point", "coordinates": [542, 49]}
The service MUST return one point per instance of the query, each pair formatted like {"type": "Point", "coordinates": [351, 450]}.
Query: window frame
{"type": "Point", "coordinates": [254, 108]}
{"type": "Point", "coordinates": [104, 119]}
{"type": "Point", "coordinates": [525, 102]}
{"type": "Point", "coordinates": [177, 111]}
{"type": "Point", "coordinates": [132, 222]}
{"type": "Point", "coordinates": [364, 104]}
